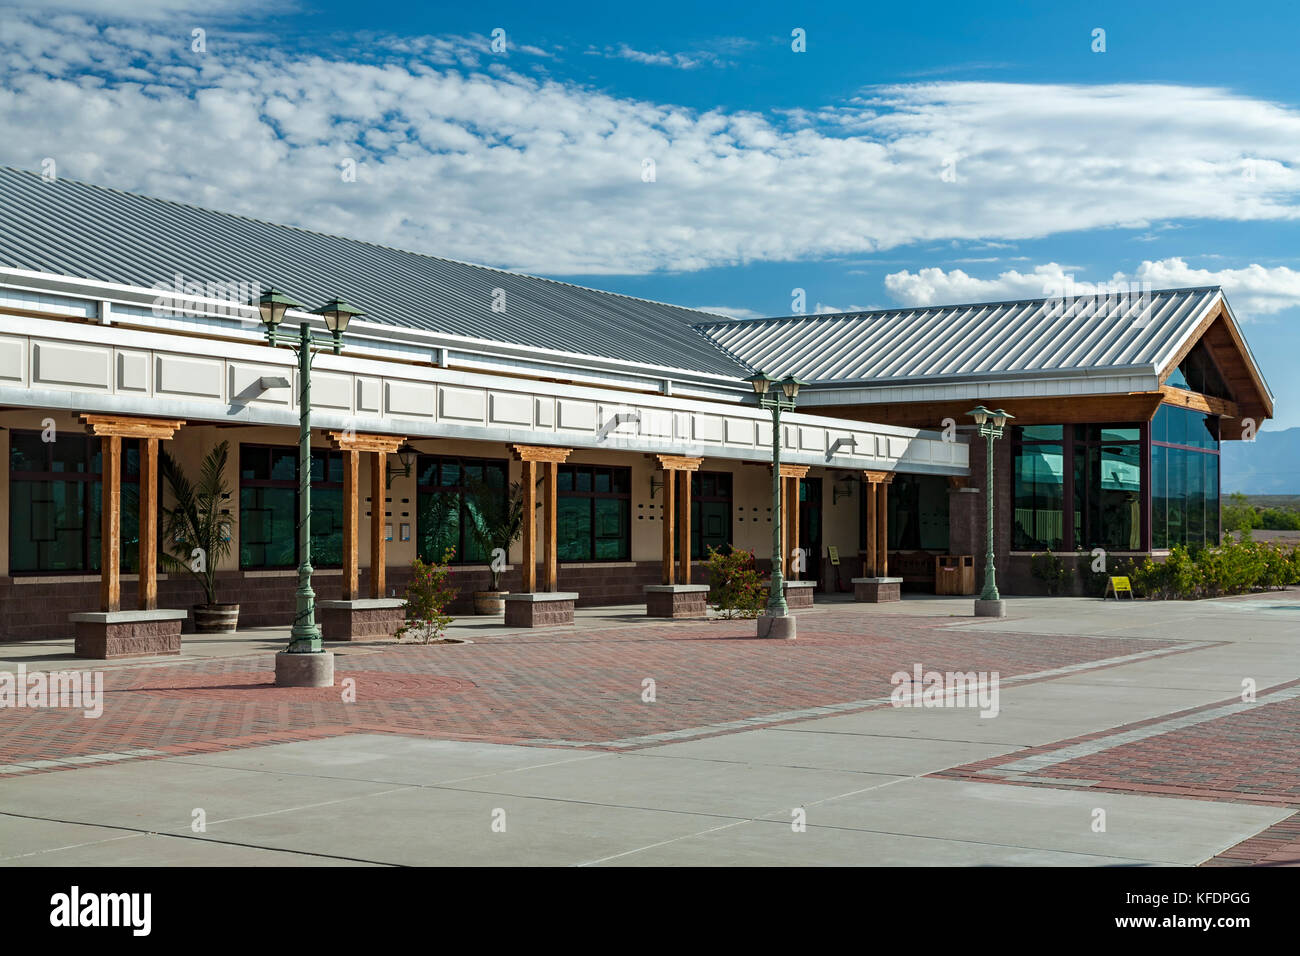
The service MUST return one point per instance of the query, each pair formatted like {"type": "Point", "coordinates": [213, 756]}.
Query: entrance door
{"type": "Point", "coordinates": [810, 529]}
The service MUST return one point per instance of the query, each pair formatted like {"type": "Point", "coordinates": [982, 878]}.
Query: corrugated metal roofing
{"type": "Point", "coordinates": [76, 229]}
{"type": "Point", "coordinates": [1026, 337]}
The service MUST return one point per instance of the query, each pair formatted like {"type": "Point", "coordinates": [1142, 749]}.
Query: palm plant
{"type": "Point", "coordinates": [495, 521]}
{"type": "Point", "coordinates": [195, 532]}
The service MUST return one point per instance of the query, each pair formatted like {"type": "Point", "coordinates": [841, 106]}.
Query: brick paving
{"type": "Point", "coordinates": [577, 684]}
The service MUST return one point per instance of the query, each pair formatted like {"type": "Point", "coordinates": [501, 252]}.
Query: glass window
{"type": "Point", "coordinates": [918, 513]}
{"type": "Point", "coordinates": [54, 503]}
{"type": "Point", "coordinates": [268, 507]}
{"type": "Point", "coordinates": [710, 512]}
{"type": "Point", "coordinates": [1184, 478]}
{"type": "Point", "coordinates": [1106, 475]}
{"type": "Point", "coordinates": [1038, 489]}
{"type": "Point", "coordinates": [594, 513]}
{"type": "Point", "coordinates": [447, 511]}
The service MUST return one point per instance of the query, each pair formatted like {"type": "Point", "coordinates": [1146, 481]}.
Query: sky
{"type": "Point", "coordinates": [727, 156]}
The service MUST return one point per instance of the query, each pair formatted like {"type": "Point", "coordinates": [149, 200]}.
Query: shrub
{"type": "Point", "coordinates": [1049, 568]}
{"type": "Point", "coordinates": [428, 596]}
{"type": "Point", "coordinates": [1236, 567]}
{"type": "Point", "coordinates": [735, 586]}
{"type": "Point", "coordinates": [195, 530]}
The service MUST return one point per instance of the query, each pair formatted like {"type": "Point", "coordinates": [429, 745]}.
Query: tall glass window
{"type": "Point", "coordinates": [268, 507]}
{"type": "Point", "coordinates": [918, 513]}
{"type": "Point", "coordinates": [1107, 487]}
{"type": "Point", "coordinates": [1184, 478]}
{"type": "Point", "coordinates": [446, 506]}
{"type": "Point", "coordinates": [1039, 488]}
{"type": "Point", "coordinates": [710, 512]}
{"type": "Point", "coordinates": [54, 503]}
{"type": "Point", "coordinates": [595, 513]}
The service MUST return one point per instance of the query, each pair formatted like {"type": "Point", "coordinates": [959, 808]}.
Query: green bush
{"type": "Point", "coordinates": [428, 596]}
{"type": "Point", "coordinates": [735, 586]}
{"type": "Point", "coordinates": [1235, 567]}
{"type": "Point", "coordinates": [1052, 570]}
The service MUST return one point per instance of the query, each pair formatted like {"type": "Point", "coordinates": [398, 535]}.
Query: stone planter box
{"type": "Point", "coordinates": [677, 600]}
{"type": "Point", "coordinates": [540, 608]}
{"type": "Point", "coordinates": [799, 594]}
{"type": "Point", "coordinates": [368, 619]}
{"type": "Point", "coordinates": [107, 635]}
{"type": "Point", "coordinates": [877, 590]}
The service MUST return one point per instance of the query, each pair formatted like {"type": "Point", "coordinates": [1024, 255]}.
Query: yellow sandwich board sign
{"type": "Point", "coordinates": [1119, 585]}
{"type": "Point", "coordinates": [834, 553]}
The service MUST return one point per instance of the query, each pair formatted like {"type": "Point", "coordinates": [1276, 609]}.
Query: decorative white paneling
{"type": "Point", "coordinates": [246, 385]}
{"type": "Point", "coordinates": [897, 446]}
{"type": "Point", "coordinates": [812, 439]}
{"type": "Point", "coordinates": [765, 434]}
{"type": "Point", "coordinates": [707, 428]}
{"type": "Point", "coordinates": [681, 426]}
{"type": "Point", "coordinates": [657, 423]}
{"type": "Point", "coordinates": [577, 416]}
{"type": "Point", "coordinates": [410, 398]}
{"type": "Point", "coordinates": [54, 364]}
{"type": "Point", "coordinates": [133, 371]}
{"type": "Point", "coordinates": [13, 355]}
{"type": "Point", "coordinates": [507, 408]}
{"type": "Point", "coordinates": [368, 392]}
{"type": "Point", "coordinates": [184, 376]}
{"type": "Point", "coordinates": [545, 413]}
{"type": "Point", "coordinates": [331, 391]}
{"type": "Point", "coordinates": [462, 404]}
{"type": "Point", "coordinates": [739, 431]}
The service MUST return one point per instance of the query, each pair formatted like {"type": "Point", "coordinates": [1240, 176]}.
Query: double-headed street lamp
{"type": "Point", "coordinates": [989, 425]}
{"type": "Point", "coordinates": [305, 637]}
{"type": "Point", "coordinates": [778, 621]}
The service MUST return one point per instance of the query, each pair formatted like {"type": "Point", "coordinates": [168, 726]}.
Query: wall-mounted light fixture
{"type": "Point", "coordinates": [655, 485]}
{"type": "Point", "coordinates": [406, 455]}
{"type": "Point", "coordinates": [843, 487]}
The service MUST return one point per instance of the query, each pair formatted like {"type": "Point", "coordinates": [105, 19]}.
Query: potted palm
{"type": "Point", "coordinates": [196, 535]}
{"type": "Point", "coordinates": [496, 521]}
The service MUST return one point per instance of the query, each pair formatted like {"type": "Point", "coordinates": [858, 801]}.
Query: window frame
{"type": "Point", "coordinates": [286, 483]}
{"type": "Point", "coordinates": [593, 496]}
{"type": "Point", "coordinates": [697, 510]}
{"type": "Point", "coordinates": [86, 480]}
{"type": "Point", "coordinates": [421, 490]}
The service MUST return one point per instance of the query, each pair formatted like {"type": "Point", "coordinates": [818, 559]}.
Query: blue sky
{"type": "Point", "coordinates": [912, 154]}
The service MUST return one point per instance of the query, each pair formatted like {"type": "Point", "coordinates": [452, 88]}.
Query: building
{"type": "Point", "coordinates": [123, 327]}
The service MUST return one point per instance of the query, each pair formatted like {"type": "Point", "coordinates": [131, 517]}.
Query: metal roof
{"type": "Point", "coordinates": [85, 231]}
{"type": "Point", "coordinates": [1028, 337]}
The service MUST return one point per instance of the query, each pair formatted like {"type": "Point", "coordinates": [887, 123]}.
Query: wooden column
{"type": "Point", "coordinates": [110, 525]}
{"type": "Point", "coordinates": [882, 527]}
{"type": "Point", "coordinates": [670, 527]}
{"type": "Point", "coordinates": [871, 565]}
{"type": "Point", "coordinates": [529, 535]}
{"type": "Point", "coordinates": [684, 527]}
{"type": "Point", "coordinates": [378, 517]}
{"type": "Point", "coordinates": [550, 458]}
{"type": "Point", "coordinates": [677, 516]}
{"type": "Point", "coordinates": [111, 429]}
{"type": "Point", "coordinates": [352, 444]}
{"type": "Point", "coordinates": [148, 591]}
{"type": "Point", "coordinates": [550, 512]}
{"type": "Point", "coordinates": [791, 475]}
{"type": "Point", "coordinates": [351, 520]}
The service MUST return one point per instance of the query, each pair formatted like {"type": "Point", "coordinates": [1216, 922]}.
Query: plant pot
{"type": "Point", "coordinates": [490, 602]}
{"type": "Point", "coordinates": [216, 618]}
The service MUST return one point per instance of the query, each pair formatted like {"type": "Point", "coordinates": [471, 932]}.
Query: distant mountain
{"type": "Point", "coordinates": [1270, 465]}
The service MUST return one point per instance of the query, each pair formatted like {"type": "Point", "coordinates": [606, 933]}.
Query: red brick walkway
{"type": "Point", "coordinates": [582, 686]}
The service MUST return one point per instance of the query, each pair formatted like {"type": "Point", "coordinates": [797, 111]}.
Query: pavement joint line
{"type": "Point", "coordinates": [131, 832]}
{"type": "Point", "coordinates": [826, 710]}
{"type": "Point", "coordinates": [1027, 765]}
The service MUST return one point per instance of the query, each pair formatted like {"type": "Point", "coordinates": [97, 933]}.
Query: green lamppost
{"type": "Point", "coordinates": [777, 621]}
{"type": "Point", "coordinates": [990, 425]}
{"type": "Point", "coordinates": [303, 662]}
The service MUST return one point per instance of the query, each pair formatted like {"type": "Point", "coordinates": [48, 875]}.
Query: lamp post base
{"type": "Point", "coordinates": [314, 669]}
{"type": "Point", "coordinates": [985, 608]}
{"type": "Point", "coordinates": [780, 628]}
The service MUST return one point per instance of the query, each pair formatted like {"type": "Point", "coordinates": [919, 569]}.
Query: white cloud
{"type": "Point", "coordinates": [682, 61]}
{"type": "Point", "coordinates": [461, 155]}
{"type": "Point", "coordinates": [1253, 290]}
{"type": "Point", "coordinates": [141, 10]}
{"type": "Point", "coordinates": [729, 311]}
